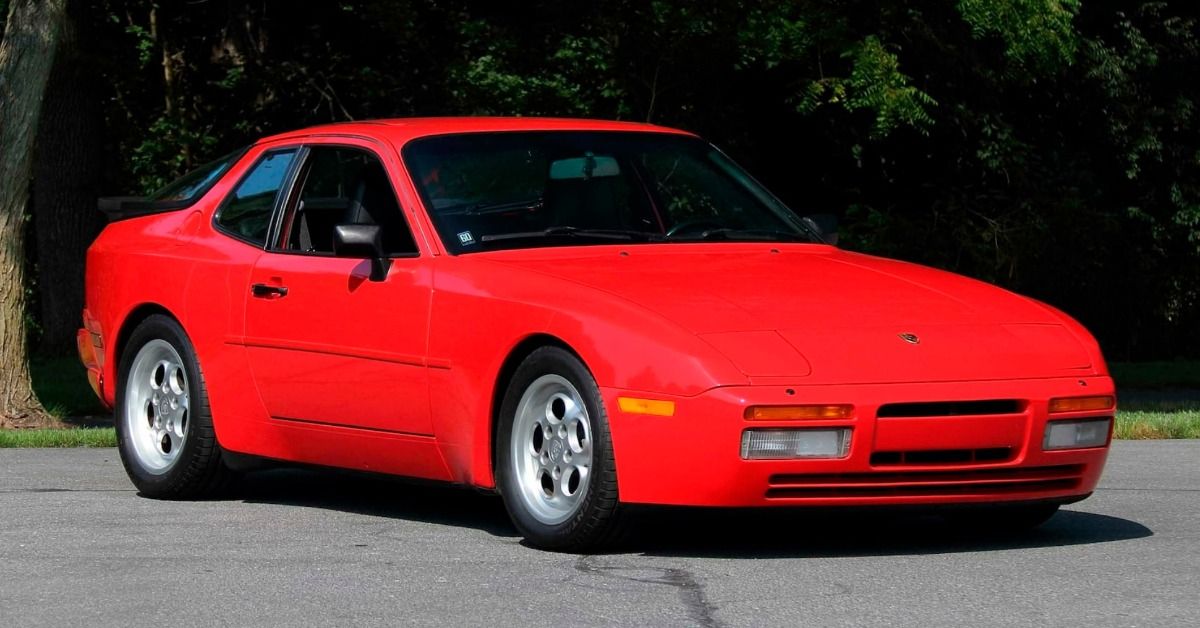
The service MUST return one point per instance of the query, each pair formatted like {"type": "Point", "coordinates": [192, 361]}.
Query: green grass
{"type": "Point", "coordinates": [69, 437]}
{"type": "Point", "coordinates": [1175, 374]}
{"type": "Point", "coordinates": [1142, 425]}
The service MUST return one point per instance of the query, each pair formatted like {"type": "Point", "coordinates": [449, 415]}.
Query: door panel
{"type": "Point", "coordinates": [327, 345]}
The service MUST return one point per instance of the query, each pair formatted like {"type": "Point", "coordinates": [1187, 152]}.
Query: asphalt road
{"type": "Point", "coordinates": [78, 547]}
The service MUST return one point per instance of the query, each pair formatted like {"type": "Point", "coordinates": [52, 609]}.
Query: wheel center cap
{"type": "Point", "coordinates": [556, 449]}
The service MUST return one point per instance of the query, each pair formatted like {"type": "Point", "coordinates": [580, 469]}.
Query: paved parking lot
{"type": "Point", "coordinates": [299, 547]}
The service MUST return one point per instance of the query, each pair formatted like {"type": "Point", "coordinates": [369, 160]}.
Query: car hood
{"type": "Point", "coordinates": [811, 310]}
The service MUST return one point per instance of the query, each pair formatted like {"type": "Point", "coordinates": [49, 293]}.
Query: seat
{"type": "Point", "coordinates": [374, 203]}
{"type": "Point", "coordinates": [315, 221]}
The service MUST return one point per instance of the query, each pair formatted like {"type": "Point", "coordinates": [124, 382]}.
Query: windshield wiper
{"type": "Point", "coordinates": [756, 235]}
{"type": "Point", "coordinates": [477, 209]}
{"type": "Point", "coordinates": [574, 232]}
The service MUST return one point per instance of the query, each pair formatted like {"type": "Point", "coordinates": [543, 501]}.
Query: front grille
{"type": "Point", "coordinates": [950, 408]}
{"type": "Point", "coordinates": [926, 483]}
{"type": "Point", "coordinates": [941, 456]}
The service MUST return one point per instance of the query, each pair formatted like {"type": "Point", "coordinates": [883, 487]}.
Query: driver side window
{"type": "Point", "coordinates": [340, 186]}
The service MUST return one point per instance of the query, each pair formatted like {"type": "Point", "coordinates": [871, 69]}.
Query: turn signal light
{"type": "Point", "coordinates": [655, 407]}
{"type": "Point", "coordinates": [798, 413]}
{"type": "Point", "coordinates": [1081, 404]}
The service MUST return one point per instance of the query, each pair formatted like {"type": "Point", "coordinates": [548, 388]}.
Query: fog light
{"type": "Point", "coordinates": [1076, 434]}
{"type": "Point", "coordinates": [787, 444]}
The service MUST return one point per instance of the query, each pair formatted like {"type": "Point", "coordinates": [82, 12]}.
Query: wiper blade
{"type": "Point", "coordinates": [755, 235]}
{"type": "Point", "coordinates": [477, 209]}
{"type": "Point", "coordinates": [575, 232]}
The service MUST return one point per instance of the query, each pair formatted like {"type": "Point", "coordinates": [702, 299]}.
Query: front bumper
{"type": "Point", "coordinates": [694, 458]}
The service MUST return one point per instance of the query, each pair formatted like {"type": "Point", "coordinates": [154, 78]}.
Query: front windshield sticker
{"type": "Point", "coordinates": [465, 238]}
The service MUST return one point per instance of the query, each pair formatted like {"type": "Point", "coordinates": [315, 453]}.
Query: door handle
{"type": "Point", "coordinates": [265, 291]}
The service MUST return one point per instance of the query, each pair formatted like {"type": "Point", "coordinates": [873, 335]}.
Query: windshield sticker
{"type": "Point", "coordinates": [466, 238]}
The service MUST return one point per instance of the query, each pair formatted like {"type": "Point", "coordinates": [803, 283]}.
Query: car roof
{"type": "Point", "coordinates": [401, 130]}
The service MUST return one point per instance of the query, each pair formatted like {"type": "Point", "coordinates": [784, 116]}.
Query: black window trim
{"type": "Point", "coordinates": [288, 180]}
{"type": "Point", "coordinates": [294, 183]}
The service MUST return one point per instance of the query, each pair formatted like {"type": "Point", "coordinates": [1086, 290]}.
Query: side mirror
{"type": "Point", "coordinates": [363, 241]}
{"type": "Point", "coordinates": [826, 225]}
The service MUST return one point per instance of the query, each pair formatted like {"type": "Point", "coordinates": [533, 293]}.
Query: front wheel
{"type": "Point", "coordinates": [555, 462]}
{"type": "Point", "coordinates": [164, 429]}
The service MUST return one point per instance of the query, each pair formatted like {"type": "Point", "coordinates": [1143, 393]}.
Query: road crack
{"type": "Point", "coordinates": [690, 590]}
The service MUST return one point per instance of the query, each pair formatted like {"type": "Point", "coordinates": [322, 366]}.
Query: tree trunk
{"type": "Point", "coordinates": [26, 57]}
{"type": "Point", "coordinates": [66, 181]}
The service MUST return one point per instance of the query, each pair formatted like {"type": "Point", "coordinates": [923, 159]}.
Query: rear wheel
{"type": "Point", "coordinates": [554, 458]}
{"type": "Point", "coordinates": [164, 429]}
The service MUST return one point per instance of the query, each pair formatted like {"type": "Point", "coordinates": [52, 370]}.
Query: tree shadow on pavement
{"type": "Point", "coordinates": [686, 532]}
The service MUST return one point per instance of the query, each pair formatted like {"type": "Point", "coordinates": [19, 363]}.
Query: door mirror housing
{"type": "Point", "coordinates": [826, 225]}
{"type": "Point", "coordinates": [363, 241]}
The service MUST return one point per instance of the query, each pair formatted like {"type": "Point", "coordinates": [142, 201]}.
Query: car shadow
{"type": "Point", "coordinates": [686, 532]}
{"type": "Point", "coordinates": [376, 496]}
{"type": "Point", "coordinates": [859, 533]}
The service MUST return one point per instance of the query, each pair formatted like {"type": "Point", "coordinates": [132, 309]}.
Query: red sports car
{"type": "Point", "coordinates": [578, 315]}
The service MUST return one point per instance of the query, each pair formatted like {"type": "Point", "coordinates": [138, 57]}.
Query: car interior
{"type": "Point", "coordinates": [344, 186]}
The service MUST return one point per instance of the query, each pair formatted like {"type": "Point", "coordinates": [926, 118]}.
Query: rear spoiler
{"type": "Point", "coordinates": [123, 207]}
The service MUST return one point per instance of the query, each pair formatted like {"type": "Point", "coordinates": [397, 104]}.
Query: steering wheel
{"type": "Point", "coordinates": [695, 224]}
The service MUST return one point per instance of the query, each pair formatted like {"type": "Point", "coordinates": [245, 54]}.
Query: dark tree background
{"type": "Point", "coordinates": [1049, 146]}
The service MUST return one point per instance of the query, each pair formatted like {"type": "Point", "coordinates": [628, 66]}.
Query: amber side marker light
{"type": "Point", "coordinates": [1081, 404]}
{"type": "Point", "coordinates": [798, 413]}
{"type": "Point", "coordinates": [655, 407]}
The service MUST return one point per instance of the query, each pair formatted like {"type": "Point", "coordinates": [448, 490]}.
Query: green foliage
{"type": "Point", "coordinates": [169, 150]}
{"type": "Point", "coordinates": [1050, 146]}
{"type": "Point", "coordinates": [1037, 33]}
{"type": "Point", "coordinates": [875, 84]}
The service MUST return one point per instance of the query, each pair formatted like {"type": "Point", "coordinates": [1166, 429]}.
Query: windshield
{"type": "Point", "coordinates": [194, 184]}
{"type": "Point", "coordinates": [488, 191]}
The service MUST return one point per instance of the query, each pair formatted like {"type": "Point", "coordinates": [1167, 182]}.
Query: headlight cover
{"type": "Point", "coordinates": [1076, 434]}
{"type": "Point", "coordinates": [787, 444]}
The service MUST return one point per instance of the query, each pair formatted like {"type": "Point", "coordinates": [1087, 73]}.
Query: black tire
{"type": "Point", "coordinates": [1003, 519]}
{"type": "Point", "coordinates": [198, 471]}
{"type": "Point", "coordinates": [600, 521]}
